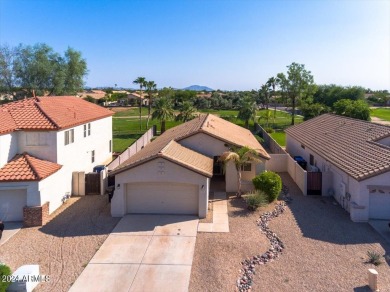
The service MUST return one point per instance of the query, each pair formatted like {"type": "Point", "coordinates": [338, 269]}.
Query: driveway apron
{"type": "Point", "coordinates": [143, 253]}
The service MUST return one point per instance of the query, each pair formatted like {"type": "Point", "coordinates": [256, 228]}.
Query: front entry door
{"type": "Point", "coordinates": [217, 166]}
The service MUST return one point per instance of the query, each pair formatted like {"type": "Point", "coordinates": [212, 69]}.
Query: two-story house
{"type": "Point", "coordinates": [43, 141]}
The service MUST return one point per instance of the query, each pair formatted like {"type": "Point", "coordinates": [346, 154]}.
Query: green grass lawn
{"type": "Point", "coordinates": [132, 112]}
{"type": "Point", "coordinates": [382, 113]}
{"type": "Point", "coordinates": [279, 137]}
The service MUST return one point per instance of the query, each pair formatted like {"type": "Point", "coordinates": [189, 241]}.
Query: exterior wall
{"type": "Point", "coordinates": [52, 189]}
{"type": "Point", "coordinates": [204, 144]}
{"type": "Point", "coordinates": [158, 170]}
{"type": "Point", "coordinates": [36, 216]}
{"type": "Point", "coordinates": [277, 163]}
{"type": "Point", "coordinates": [384, 141]}
{"type": "Point", "coordinates": [246, 177]}
{"type": "Point", "coordinates": [31, 187]}
{"type": "Point", "coordinates": [47, 151]}
{"type": "Point", "coordinates": [8, 147]}
{"type": "Point", "coordinates": [360, 196]}
{"type": "Point", "coordinates": [76, 156]}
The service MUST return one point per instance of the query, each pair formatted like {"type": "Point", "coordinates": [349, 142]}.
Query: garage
{"type": "Point", "coordinates": [162, 198]}
{"type": "Point", "coordinates": [12, 203]}
{"type": "Point", "coordinates": [380, 205]}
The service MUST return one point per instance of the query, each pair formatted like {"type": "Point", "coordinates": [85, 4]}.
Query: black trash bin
{"type": "Point", "coordinates": [302, 162]}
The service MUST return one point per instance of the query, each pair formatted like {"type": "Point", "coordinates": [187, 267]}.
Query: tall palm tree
{"type": "Point", "coordinates": [264, 95]}
{"type": "Point", "coordinates": [266, 115]}
{"type": "Point", "coordinates": [141, 82]}
{"type": "Point", "coordinates": [247, 110]}
{"type": "Point", "coordinates": [150, 89]}
{"type": "Point", "coordinates": [187, 112]}
{"type": "Point", "coordinates": [240, 157]}
{"type": "Point", "coordinates": [272, 82]}
{"type": "Point", "coordinates": [163, 111]}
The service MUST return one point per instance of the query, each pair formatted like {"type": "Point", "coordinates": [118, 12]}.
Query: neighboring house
{"type": "Point", "coordinates": [354, 158]}
{"type": "Point", "coordinates": [95, 94]}
{"type": "Point", "coordinates": [172, 174]}
{"type": "Point", "coordinates": [43, 141]}
{"type": "Point", "coordinates": [135, 97]}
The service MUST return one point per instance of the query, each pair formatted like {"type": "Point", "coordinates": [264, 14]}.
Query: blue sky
{"type": "Point", "coordinates": [230, 45]}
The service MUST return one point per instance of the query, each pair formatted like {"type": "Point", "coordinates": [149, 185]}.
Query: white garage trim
{"type": "Point", "coordinates": [12, 202]}
{"type": "Point", "coordinates": [162, 198]}
{"type": "Point", "coordinates": [379, 205]}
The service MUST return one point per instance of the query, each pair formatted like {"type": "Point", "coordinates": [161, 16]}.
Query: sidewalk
{"type": "Point", "coordinates": [220, 215]}
{"type": "Point", "coordinates": [11, 228]}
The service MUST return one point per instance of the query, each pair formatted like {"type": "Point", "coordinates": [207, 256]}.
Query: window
{"type": "Point", "coordinates": [69, 136]}
{"type": "Point", "coordinates": [87, 130]}
{"type": "Point", "coordinates": [311, 159]}
{"type": "Point", "coordinates": [92, 156]}
{"type": "Point", "coordinates": [246, 167]}
{"type": "Point", "coordinates": [110, 146]}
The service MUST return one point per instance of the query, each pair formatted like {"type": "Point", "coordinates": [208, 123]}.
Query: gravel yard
{"type": "Point", "coordinates": [324, 249]}
{"type": "Point", "coordinates": [64, 245]}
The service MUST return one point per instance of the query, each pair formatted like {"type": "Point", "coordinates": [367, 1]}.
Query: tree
{"type": "Point", "coordinates": [141, 82]}
{"type": "Point", "coordinates": [38, 69]}
{"type": "Point", "coordinates": [150, 89]}
{"type": "Point", "coordinates": [187, 112]}
{"type": "Point", "coordinates": [247, 110]}
{"type": "Point", "coordinates": [272, 82]}
{"type": "Point", "coordinates": [240, 157]}
{"type": "Point", "coordinates": [313, 110]}
{"type": "Point", "coordinates": [265, 115]}
{"type": "Point", "coordinates": [264, 95]}
{"type": "Point", "coordinates": [163, 111]}
{"type": "Point", "coordinates": [298, 83]}
{"type": "Point", "coordinates": [357, 109]}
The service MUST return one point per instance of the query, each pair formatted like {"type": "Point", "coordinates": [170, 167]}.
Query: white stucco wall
{"type": "Point", "coordinates": [277, 163]}
{"type": "Point", "coordinates": [8, 147]}
{"type": "Point", "coordinates": [158, 170]}
{"type": "Point", "coordinates": [205, 144]}
{"type": "Point", "coordinates": [52, 189]}
{"type": "Point", "coordinates": [46, 151]}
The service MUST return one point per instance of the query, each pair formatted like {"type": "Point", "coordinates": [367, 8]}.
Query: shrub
{"type": "Point", "coordinates": [4, 272]}
{"type": "Point", "coordinates": [270, 183]}
{"type": "Point", "coordinates": [256, 199]}
{"type": "Point", "coordinates": [374, 258]}
{"type": "Point", "coordinates": [269, 130]}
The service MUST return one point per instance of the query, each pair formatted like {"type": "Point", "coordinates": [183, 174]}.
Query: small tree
{"type": "Point", "coordinates": [4, 272]}
{"type": "Point", "coordinates": [270, 183]}
{"type": "Point", "coordinates": [240, 157]}
{"type": "Point", "coordinates": [247, 110]}
{"type": "Point", "coordinates": [163, 111]}
{"type": "Point", "coordinates": [141, 81]}
{"type": "Point", "coordinates": [187, 112]}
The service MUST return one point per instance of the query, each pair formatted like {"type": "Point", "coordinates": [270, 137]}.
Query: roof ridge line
{"type": "Point", "coordinates": [27, 157]}
{"type": "Point", "coordinates": [43, 112]}
{"type": "Point", "coordinates": [166, 146]}
{"type": "Point", "coordinates": [201, 126]}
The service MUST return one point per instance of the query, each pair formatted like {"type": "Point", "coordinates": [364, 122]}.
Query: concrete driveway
{"type": "Point", "coordinates": [143, 253]}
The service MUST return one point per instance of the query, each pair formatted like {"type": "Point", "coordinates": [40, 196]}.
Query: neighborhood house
{"type": "Point", "coordinates": [172, 174]}
{"type": "Point", "coordinates": [354, 158]}
{"type": "Point", "coordinates": [43, 141]}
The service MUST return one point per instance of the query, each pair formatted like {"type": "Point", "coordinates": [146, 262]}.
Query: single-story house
{"type": "Point", "coordinates": [354, 158]}
{"type": "Point", "coordinates": [135, 97]}
{"type": "Point", "coordinates": [172, 174]}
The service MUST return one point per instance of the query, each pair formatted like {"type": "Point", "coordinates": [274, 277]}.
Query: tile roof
{"type": "Point", "coordinates": [347, 143]}
{"type": "Point", "coordinates": [49, 113]}
{"type": "Point", "coordinates": [24, 167]}
{"type": "Point", "coordinates": [166, 146]}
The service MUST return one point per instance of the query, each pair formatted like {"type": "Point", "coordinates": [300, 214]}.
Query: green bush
{"type": "Point", "coordinates": [256, 199]}
{"type": "Point", "coordinates": [374, 258]}
{"type": "Point", "coordinates": [270, 183]}
{"type": "Point", "coordinates": [269, 130]}
{"type": "Point", "coordinates": [4, 271]}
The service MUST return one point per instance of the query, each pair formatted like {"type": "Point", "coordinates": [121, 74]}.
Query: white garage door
{"type": "Point", "coordinates": [162, 198]}
{"type": "Point", "coordinates": [380, 205]}
{"type": "Point", "coordinates": [11, 204]}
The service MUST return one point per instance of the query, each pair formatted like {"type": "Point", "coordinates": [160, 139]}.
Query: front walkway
{"type": "Point", "coordinates": [220, 215]}
{"type": "Point", "coordinates": [143, 253]}
{"type": "Point", "coordinates": [10, 229]}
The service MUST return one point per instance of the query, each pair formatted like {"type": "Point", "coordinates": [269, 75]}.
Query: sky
{"type": "Point", "coordinates": [227, 45]}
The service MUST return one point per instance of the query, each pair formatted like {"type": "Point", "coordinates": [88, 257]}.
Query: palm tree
{"type": "Point", "coordinates": [150, 89]}
{"type": "Point", "coordinates": [187, 112]}
{"type": "Point", "coordinates": [240, 157]}
{"type": "Point", "coordinates": [141, 82]}
{"type": "Point", "coordinates": [163, 111]}
{"type": "Point", "coordinates": [247, 110]}
{"type": "Point", "coordinates": [272, 82]}
{"type": "Point", "coordinates": [266, 115]}
{"type": "Point", "coordinates": [264, 95]}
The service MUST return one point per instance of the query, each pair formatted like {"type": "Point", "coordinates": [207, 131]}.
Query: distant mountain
{"type": "Point", "coordinates": [198, 88]}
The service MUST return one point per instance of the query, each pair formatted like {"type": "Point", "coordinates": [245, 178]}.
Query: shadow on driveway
{"type": "Point", "coordinates": [89, 215]}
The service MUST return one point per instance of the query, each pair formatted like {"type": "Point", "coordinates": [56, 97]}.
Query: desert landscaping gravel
{"type": "Point", "coordinates": [324, 250]}
{"type": "Point", "coordinates": [64, 246]}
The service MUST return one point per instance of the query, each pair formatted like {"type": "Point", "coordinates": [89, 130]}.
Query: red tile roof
{"type": "Point", "coordinates": [24, 167]}
{"type": "Point", "coordinates": [49, 113]}
{"type": "Point", "coordinates": [347, 143]}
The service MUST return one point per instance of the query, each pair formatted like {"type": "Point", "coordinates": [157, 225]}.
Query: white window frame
{"type": "Point", "coordinates": [69, 136]}
{"type": "Point", "coordinates": [246, 167]}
